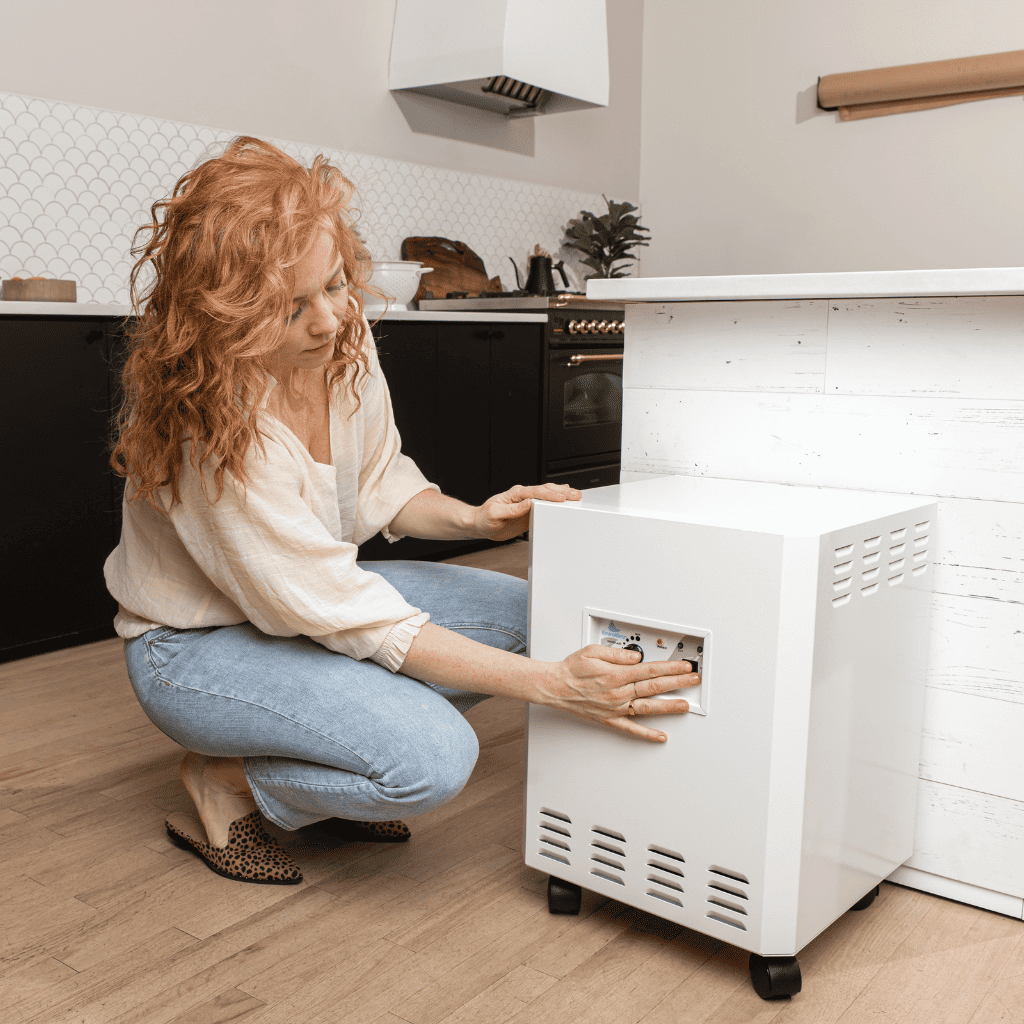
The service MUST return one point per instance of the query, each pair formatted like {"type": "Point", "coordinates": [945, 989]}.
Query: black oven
{"type": "Point", "coordinates": [583, 398]}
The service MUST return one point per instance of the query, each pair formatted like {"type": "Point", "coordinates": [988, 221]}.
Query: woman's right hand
{"type": "Point", "coordinates": [609, 685]}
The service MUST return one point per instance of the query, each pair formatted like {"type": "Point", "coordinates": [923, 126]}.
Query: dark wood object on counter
{"type": "Point", "coordinates": [456, 267]}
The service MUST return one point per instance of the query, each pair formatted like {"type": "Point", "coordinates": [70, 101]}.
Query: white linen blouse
{"type": "Point", "coordinates": [280, 552]}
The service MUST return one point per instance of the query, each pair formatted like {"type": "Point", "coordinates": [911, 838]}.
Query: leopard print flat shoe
{"type": "Point", "coordinates": [250, 855]}
{"type": "Point", "coordinates": [343, 830]}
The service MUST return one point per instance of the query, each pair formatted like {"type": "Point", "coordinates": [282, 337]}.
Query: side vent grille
{"type": "Point", "coordinates": [665, 875]}
{"type": "Point", "coordinates": [608, 854]}
{"type": "Point", "coordinates": [555, 835]}
{"type": "Point", "coordinates": [907, 551]}
{"type": "Point", "coordinates": [727, 897]}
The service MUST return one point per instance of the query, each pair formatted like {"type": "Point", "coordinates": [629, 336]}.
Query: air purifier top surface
{"type": "Point", "coordinates": [783, 509]}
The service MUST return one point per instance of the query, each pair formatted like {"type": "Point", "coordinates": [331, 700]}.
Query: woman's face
{"type": "Point", "coordinates": [319, 305]}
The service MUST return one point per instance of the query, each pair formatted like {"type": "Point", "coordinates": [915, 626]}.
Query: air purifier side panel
{"type": "Point", "coordinates": [867, 700]}
{"type": "Point", "coordinates": [790, 727]}
{"type": "Point", "coordinates": [678, 828]}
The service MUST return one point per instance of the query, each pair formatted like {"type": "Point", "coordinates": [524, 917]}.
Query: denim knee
{"type": "Point", "coordinates": [441, 768]}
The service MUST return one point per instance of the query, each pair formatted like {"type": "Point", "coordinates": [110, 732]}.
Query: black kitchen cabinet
{"type": "Point", "coordinates": [467, 402]}
{"type": "Point", "coordinates": [466, 398]}
{"type": "Point", "coordinates": [61, 512]}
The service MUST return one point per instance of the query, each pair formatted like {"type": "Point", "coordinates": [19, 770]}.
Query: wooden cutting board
{"type": "Point", "coordinates": [37, 289]}
{"type": "Point", "coordinates": [456, 267]}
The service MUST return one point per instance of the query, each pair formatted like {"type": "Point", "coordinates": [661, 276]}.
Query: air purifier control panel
{"type": "Point", "coordinates": [656, 641]}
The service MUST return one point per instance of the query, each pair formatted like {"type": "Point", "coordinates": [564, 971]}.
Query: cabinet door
{"type": "Point", "coordinates": [56, 488]}
{"type": "Point", "coordinates": [463, 414]}
{"type": "Point", "coordinates": [516, 382]}
{"type": "Point", "coordinates": [408, 358]}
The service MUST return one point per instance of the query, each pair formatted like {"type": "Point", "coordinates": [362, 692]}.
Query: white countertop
{"type": "Point", "coordinates": [116, 309]}
{"type": "Point", "coordinates": [80, 309]}
{"type": "Point", "coordinates": [858, 285]}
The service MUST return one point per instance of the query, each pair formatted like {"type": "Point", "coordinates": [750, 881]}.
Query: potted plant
{"type": "Point", "coordinates": [606, 240]}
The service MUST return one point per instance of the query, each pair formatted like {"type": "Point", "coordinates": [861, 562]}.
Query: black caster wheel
{"type": "Point", "coordinates": [563, 897]}
{"type": "Point", "coordinates": [775, 977]}
{"type": "Point", "coordinates": [865, 901]}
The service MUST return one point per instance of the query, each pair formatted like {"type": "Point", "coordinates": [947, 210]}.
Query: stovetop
{"type": "Point", "coordinates": [518, 300]}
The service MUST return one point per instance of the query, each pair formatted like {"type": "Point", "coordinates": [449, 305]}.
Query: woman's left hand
{"type": "Point", "coordinates": [507, 515]}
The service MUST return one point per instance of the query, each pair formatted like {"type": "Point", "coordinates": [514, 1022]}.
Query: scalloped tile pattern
{"type": "Point", "coordinates": [75, 183]}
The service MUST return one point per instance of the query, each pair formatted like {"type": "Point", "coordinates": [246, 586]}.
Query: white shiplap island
{"type": "Point", "coordinates": [904, 381]}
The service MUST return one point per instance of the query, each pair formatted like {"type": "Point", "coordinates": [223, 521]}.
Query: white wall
{"type": "Point", "coordinates": [314, 71]}
{"type": "Point", "coordinates": [731, 183]}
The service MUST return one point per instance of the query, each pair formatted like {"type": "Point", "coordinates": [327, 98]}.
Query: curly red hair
{"type": "Point", "coordinates": [220, 252]}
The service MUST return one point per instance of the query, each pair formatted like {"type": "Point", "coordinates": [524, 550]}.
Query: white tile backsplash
{"type": "Point", "coordinates": [75, 183]}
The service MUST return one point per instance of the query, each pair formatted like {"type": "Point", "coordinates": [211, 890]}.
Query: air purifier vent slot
{"type": "Point", "coordinates": [896, 565]}
{"type": "Point", "coordinates": [554, 856]}
{"type": "Point", "coordinates": [665, 852]}
{"type": "Point", "coordinates": [664, 896]}
{"type": "Point", "coordinates": [898, 534]}
{"type": "Point", "coordinates": [608, 833]}
{"type": "Point", "coordinates": [868, 591]}
{"type": "Point", "coordinates": [727, 873]}
{"type": "Point", "coordinates": [607, 862]}
{"type": "Point", "coordinates": [672, 870]}
{"type": "Point", "coordinates": [921, 527]}
{"type": "Point", "coordinates": [897, 549]}
{"type": "Point", "coordinates": [608, 848]}
{"type": "Point", "coordinates": [846, 549]}
{"type": "Point", "coordinates": [555, 828]}
{"type": "Point", "coordinates": [726, 920]}
{"type": "Point", "coordinates": [727, 889]}
{"type": "Point", "coordinates": [920, 569]}
{"type": "Point", "coordinates": [872, 542]}
{"type": "Point", "coordinates": [666, 882]}
{"type": "Point", "coordinates": [840, 569]}
{"type": "Point", "coordinates": [920, 542]}
{"type": "Point", "coordinates": [607, 876]}
{"type": "Point", "coordinates": [895, 580]}
{"type": "Point", "coordinates": [556, 814]}
{"type": "Point", "coordinates": [869, 575]}
{"type": "Point", "coordinates": [842, 584]}
{"type": "Point", "coordinates": [838, 602]}
{"type": "Point", "coordinates": [555, 842]}
{"type": "Point", "coordinates": [726, 905]}
{"type": "Point", "coordinates": [871, 559]}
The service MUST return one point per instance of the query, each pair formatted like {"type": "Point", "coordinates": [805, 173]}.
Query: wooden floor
{"type": "Point", "coordinates": [102, 920]}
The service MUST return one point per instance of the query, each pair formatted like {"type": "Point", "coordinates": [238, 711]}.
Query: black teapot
{"type": "Point", "coordinates": [540, 280]}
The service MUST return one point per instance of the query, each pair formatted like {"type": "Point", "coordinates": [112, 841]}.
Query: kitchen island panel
{"type": "Point", "coordinates": [966, 448]}
{"type": "Point", "coordinates": [728, 346]}
{"type": "Point", "coordinates": [942, 347]}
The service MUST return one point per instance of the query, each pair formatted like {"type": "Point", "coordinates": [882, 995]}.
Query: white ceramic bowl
{"type": "Point", "coordinates": [396, 278]}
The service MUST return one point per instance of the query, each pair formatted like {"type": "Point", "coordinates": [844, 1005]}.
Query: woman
{"type": "Point", "coordinates": [259, 449]}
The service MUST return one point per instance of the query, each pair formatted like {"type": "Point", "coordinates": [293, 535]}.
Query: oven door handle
{"type": "Point", "coordinates": [576, 360]}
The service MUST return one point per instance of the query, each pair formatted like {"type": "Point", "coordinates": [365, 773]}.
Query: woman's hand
{"type": "Point", "coordinates": [507, 515]}
{"type": "Point", "coordinates": [609, 685]}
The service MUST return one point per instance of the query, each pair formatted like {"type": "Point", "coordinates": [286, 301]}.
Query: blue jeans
{"type": "Point", "coordinates": [323, 735]}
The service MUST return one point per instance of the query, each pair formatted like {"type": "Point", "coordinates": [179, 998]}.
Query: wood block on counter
{"type": "Point", "coordinates": [38, 289]}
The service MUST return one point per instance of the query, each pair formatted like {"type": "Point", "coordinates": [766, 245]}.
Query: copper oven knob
{"type": "Point", "coordinates": [603, 327]}
{"type": "Point", "coordinates": [592, 327]}
{"type": "Point", "coordinates": [620, 327]}
{"type": "Point", "coordinates": [573, 327]}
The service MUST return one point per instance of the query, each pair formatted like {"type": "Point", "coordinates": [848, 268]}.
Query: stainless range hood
{"type": "Point", "coordinates": [519, 58]}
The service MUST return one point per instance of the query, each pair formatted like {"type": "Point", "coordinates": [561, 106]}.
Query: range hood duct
{"type": "Point", "coordinates": [519, 58]}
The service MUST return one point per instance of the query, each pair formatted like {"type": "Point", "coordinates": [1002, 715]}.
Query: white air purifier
{"type": "Point", "coordinates": [788, 792]}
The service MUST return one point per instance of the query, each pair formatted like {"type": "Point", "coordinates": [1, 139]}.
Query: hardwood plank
{"type": "Point", "coordinates": [504, 999]}
{"type": "Point", "coordinates": [957, 346]}
{"type": "Point", "coordinates": [952, 447]}
{"type": "Point", "coordinates": [727, 346]}
{"type": "Point", "coordinates": [37, 976]}
{"type": "Point", "coordinates": [230, 1005]}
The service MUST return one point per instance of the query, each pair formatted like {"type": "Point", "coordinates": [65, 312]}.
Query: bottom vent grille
{"type": "Point", "coordinates": [727, 897]}
{"type": "Point", "coordinates": [665, 874]}
{"type": "Point", "coordinates": [608, 854]}
{"type": "Point", "coordinates": [555, 835]}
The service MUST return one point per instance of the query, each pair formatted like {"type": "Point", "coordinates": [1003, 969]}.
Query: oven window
{"type": "Point", "coordinates": [592, 398]}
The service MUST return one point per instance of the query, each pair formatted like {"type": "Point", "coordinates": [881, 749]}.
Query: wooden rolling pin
{"type": "Point", "coordinates": [37, 289]}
